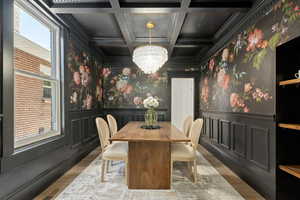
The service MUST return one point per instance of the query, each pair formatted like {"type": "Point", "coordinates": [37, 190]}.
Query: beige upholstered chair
{"type": "Point", "coordinates": [110, 152]}
{"type": "Point", "coordinates": [187, 152]}
{"type": "Point", "coordinates": [113, 127]}
{"type": "Point", "coordinates": [187, 125]}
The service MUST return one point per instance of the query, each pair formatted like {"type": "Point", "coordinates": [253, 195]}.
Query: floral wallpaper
{"type": "Point", "coordinates": [240, 77]}
{"type": "Point", "coordinates": [85, 85]}
{"type": "Point", "coordinates": [129, 86]}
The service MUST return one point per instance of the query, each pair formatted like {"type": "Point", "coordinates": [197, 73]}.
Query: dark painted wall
{"type": "Point", "coordinates": [27, 171]}
{"type": "Point", "coordinates": [237, 94]}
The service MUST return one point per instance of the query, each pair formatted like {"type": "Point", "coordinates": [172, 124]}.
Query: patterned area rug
{"type": "Point", "coordinates": [210, 186]}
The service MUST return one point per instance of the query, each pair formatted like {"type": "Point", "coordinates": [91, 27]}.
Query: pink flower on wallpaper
{"type": "Point", "coordinates": [234, 97]}
{"type": "Point", "coordinates": [81, 69]}
{"type": "Point", "coordinates": [137, 100]}
{"type": "Point", "coordinates": [76, 78]}
{"type": "Point", "coordinates": [254, 38]}
{"type": "Point", "coordinates": [106, 72]}
{"type": "Point", "coordinates": [89, 102]}
{"type": "Point", "coordinates": [87, 69]}
{"type": "Point", "coordinates": [211, 64]}
{"type": "Point", "coordinates": [85, 79]}
{"type": "Point", "coordinates": [99, 93]}
{"type": "Point", "coordinates": [126, 71]}
{"type": "Point", "coordinates": [225, 54]}
{"type": "Point", "coordinates": [247, 87]}
{"type": "Point", "coordinates": [246, 109]}
{"type": "Point", "coordinates": [223, 79]}
{"type": "Point", "coordinates": [121, 85]}
{"type": "Point", "coordinates": [128, 89]}
{"type": "Point", "coordinates": [205, 93]}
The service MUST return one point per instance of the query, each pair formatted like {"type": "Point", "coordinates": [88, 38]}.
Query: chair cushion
{"type": "Point", "coordinates": [116, 151]}
{"type": "Point", "coordinates": [182, 152]}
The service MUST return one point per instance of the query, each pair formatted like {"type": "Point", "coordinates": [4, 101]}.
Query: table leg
{"type": "Point", "coordinates": [149, 165]}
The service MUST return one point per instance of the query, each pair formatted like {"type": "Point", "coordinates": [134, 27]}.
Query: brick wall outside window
{"type": "Point", "coordinates": [32, 111]}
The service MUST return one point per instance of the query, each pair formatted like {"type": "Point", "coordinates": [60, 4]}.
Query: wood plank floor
{"type": "Point", "coordinates": [58, 186]}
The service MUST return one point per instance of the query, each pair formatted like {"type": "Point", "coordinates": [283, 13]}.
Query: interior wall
{"type": "Point", "coordinates": [25, 173]}
{"type": "Point", "coordinates": [237, 95]}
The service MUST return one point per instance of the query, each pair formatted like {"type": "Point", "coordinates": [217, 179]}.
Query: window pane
{"type": "Point", "coordinates": [32, 40]}
{"type": "Point", "coordinates": [35, 108]}
{"type": "Point", "coordinates": [36, 86]}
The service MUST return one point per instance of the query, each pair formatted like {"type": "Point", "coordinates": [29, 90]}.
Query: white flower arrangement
{"type": "Point", "coordinates": [150, 102]}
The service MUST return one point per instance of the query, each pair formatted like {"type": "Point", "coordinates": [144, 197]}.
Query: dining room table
{"type": "Point", "coordinates": [149, 154]}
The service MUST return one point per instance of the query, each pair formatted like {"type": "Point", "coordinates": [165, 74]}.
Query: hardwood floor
{"type": "Point", "coordinates": [57, 187]}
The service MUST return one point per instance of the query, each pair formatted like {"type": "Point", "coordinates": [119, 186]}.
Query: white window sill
{"type": "Point", "coordinates": [34, 139]}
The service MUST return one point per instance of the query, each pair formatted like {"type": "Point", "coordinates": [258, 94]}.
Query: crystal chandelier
{"type": "Point", "coordinates": [150, 58]}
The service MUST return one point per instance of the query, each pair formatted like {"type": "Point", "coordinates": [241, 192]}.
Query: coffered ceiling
{"type": "Point", "coordinates": [185, 27]}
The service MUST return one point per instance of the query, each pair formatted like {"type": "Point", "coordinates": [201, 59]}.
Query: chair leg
{"type": "Point", "coordinates": [107, 166]}
{"type": "Point", "coordinates": [102, 170]}
{"type": "Point", "coordinates": [195, 171]}
{"type": "Point", "coordinates": [126, 172]}
{"type": "Point", "coordinates": [171, 171]}
{"type": "Point", "coordinates": [190, 168]}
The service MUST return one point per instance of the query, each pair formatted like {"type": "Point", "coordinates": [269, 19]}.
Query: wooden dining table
{"type": "Point", "coordinates": [149, 154]}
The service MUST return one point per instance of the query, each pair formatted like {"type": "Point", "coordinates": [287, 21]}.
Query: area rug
{"type": "Point", "coordinates": [210, 186]}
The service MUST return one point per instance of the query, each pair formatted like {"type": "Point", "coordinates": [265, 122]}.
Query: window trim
{"type": "Point", "coordinates": [55, 34]}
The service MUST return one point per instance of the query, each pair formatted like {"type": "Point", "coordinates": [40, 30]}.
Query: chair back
{"type": "Point", "coordinates": [103, 132]}
{"type": "Point", "coordinates": [196, 130]}
{"type": "Point", "coordinates": [113, 126]}
{"type": "Point", "coordinates": [187, 125]}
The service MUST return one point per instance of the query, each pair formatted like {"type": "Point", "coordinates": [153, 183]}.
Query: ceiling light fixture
{"type": "Point", "coordinates": [150, 58]}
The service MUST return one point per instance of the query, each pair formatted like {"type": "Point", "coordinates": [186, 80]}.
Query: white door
{"type": "Point", "coordinates": [182, 100]}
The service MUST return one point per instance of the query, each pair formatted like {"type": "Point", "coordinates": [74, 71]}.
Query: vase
{"type": "Point", "coordinates": [151, 117]}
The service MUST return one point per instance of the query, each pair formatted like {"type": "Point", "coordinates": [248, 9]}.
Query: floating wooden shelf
{"type": "Point", "coordinates": [290, 126]}
{"type": "Point", "coordinates": [289, 82]}
{"type": "Point", "coordinates": [291, 169]}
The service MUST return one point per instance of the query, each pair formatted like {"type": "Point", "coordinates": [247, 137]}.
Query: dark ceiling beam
{"type": "Point", "coordinates": [103, 41]}
{"type": "Point", "coordinates": [185, 43]}
{"type": "Point", "coordinates": [125, 28]}
{"type": "Point", "coordinates": [178, 21]}
{"type": "Point", "coordinates": [142, 8]}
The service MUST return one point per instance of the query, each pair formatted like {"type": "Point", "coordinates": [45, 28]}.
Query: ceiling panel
{"type": "Point", "coordinates": [162, 24]}
{"type": "Point", "coordinates": [79, 1]}
{"type": "Point", "coordinates": [203, 25]}
{"type": "Point", "coordinates": [182, 51]}
{"type": "Point", "coordinates": [99, 25]}
{"type": "Point", "coordinates": [115, 51]}
{"type": "Point", "coordinates": [150, 1]}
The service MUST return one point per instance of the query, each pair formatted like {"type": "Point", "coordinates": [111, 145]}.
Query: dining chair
{"type": "Point", "coordinates": [110, 152]}
{"type": "Point", "coordinates": [187, 125]}
{"type": "Point", "coordinates": [113, 126]}
{"type": "Point", "coordinates": [187, 152]}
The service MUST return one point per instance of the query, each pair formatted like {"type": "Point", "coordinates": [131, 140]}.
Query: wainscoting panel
{"type": "Point", "coordinates": [259, 147]}
{"type": "Point", "coordinates": [246, 143]}
{"type": "Point", "coordinates": [239, 144]}
{"type": "Point", "coordinates": [225, 134]}
{"type": "Point", "coordinates": [76, 131]}
{"type": "Point", "coordinates": [215, 130]}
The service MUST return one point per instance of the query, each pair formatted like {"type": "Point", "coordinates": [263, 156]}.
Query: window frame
{"type": "Point", "coordinates": [54, 78]}
{"type": "Point", "coordinates": [11, 157]}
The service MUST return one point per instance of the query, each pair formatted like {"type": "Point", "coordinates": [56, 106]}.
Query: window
{"type": "Point", "coordinates": [37, 77]}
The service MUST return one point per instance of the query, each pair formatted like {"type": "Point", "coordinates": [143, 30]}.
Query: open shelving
{"type": "Point", "coordinates": [290, 82]}
{"type": "Point", "coordinates": [290, 126]}
{"type": "Point", "coordinates": [288, 121]}
{"type": "Point", "coordinates": [291, 169]}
